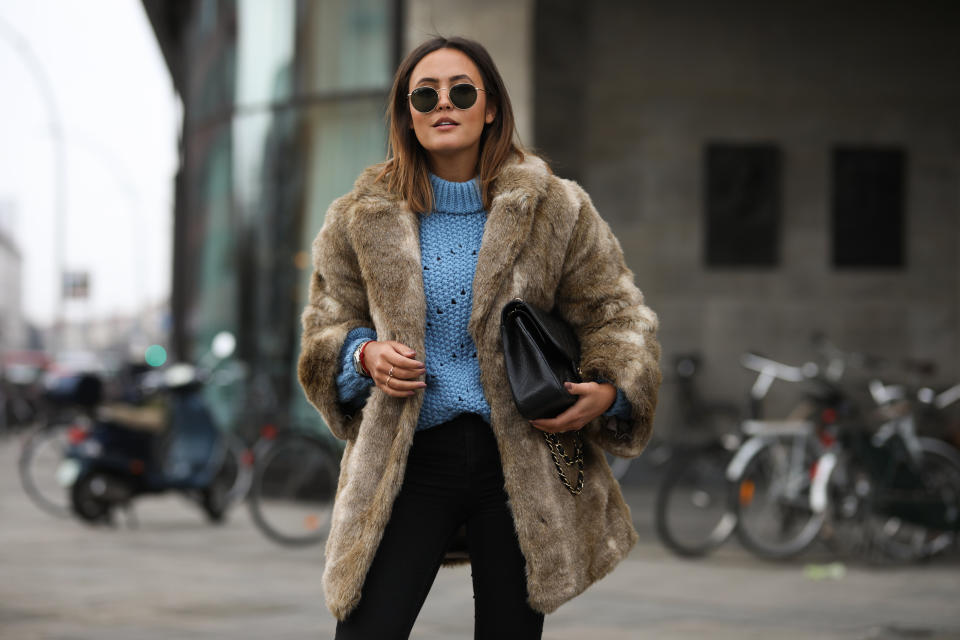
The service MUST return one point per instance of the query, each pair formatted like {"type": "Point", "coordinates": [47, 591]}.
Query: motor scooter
{"type": "Point", "coordinates": [123, 454]}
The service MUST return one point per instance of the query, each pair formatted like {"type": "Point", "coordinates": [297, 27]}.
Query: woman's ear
{"type": "Point", "coordinates": [491, 113]}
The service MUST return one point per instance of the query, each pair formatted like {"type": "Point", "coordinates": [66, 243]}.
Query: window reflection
{"type": "Point", "coordinates": [283, 106]}
{"type": "Point", "coordinates": [349, 45]}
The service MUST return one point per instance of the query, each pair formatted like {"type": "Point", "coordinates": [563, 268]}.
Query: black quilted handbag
{"type": "Point", "coordinates": [541, 352]}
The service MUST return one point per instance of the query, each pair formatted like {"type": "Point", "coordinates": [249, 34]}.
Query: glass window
{"type": "Point", "coordinates": [211, 239]}
{"type": "Point", "coordinates": [285, 109]}
{"type": "Point", "coordinates": [349, 46]}
{"type": "Point", "coordinates": [742, 205]}
{"type": "Point", "coordinates": [867, 211]}
{"type": "Point", "coordinates": [265, 51]}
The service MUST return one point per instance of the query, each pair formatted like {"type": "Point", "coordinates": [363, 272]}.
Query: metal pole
{"type": "Point", "coordinates": [121, 176]}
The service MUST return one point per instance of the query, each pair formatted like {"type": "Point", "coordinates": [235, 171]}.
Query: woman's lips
{"type": "Point", "coordinates": [445, 124]}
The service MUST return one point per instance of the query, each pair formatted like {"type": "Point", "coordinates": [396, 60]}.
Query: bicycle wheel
{"type": "Point", "coordinates": [848, 492]}
{"type": "Point", "coordinates": [294, 484]}
{"type": "Point", "coordinates": [931, 525]}
{"type": "Point", "coordinates": [232, 481]}
{"type": "Point", "coordinates": [41, 456]}
{"type": "Point", "coordinates": [772, 500]}
{"type": "Point", "coordinates": [236, 469]}
{"type": "Point", "coordinates": [692, 513]}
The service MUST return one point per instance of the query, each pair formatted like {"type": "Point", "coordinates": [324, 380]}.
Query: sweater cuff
{"type": "Point", "coordinates": [353, 388]}
{"type": "Point", "coordinates": [621, 406]}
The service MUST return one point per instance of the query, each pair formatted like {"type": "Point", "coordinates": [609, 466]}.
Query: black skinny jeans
{"type": "Point", "coordinates": [453, 476]}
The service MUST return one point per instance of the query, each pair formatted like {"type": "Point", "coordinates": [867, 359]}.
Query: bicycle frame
{"type": "Point", "coordinates": [902, 450]}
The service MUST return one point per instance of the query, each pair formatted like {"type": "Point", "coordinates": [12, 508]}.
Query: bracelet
{"type": "Point", "coordinates": [360, 358]}
{"type": "Point", "coordinates": [357, 366]}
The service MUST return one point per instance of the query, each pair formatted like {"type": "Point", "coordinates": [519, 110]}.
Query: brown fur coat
{"type": "Point", "coordinates": [543, 242]}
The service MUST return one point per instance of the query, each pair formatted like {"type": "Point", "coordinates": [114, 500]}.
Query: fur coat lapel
{"type": "Point", "coordinates": [385, 234]}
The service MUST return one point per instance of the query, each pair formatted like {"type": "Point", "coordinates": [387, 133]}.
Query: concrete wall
{"type": "Point", "coordinates": [504, 27]}
{"type": "Point", "coordinates": [660, 80]}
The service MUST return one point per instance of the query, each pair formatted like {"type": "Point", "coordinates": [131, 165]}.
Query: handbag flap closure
{"type": "Point", "coordinates": [551, 332]}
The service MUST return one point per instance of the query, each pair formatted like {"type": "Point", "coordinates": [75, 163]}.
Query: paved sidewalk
{"type": "Point", "coordinates": [177, 577]}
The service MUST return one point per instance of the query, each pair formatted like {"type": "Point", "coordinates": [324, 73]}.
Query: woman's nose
{"type": "Point", "coordinates": [444, 99]}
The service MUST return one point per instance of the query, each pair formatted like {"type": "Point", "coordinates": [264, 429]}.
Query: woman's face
{"type": "Point", "coordinates": [446, 131]}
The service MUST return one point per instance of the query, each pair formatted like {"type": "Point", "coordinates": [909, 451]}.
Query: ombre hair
{"type": "Point", "coordinates": [406, 170]}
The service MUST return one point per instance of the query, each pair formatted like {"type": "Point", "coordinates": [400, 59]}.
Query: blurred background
{"type": "Point", "coordinates": [784, 179]}
{"type": "Point", "coordinates": [770, 170]}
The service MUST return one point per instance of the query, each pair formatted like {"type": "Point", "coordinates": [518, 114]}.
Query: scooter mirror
{"type": "Point", "coordinates": [223, 344]}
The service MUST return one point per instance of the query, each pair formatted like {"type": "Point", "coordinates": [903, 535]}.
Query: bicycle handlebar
{"type": "Point", "coordinates": [946, 398]}
{"type": "Point", "coordinates": [884, 394]}
{"type": "Point", "coordinates": [770, 370]}
{"type": "Point", "coordinates": [769, 367]}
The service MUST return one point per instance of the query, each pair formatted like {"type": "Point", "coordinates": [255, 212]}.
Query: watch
{"type": "Point", "coordinates": [356, 359]}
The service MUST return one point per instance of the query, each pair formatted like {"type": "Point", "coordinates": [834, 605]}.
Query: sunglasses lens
{"type": "Point", "coordinates": [463, 96]}
{"type": "Point", "coordinates": [424, 99]}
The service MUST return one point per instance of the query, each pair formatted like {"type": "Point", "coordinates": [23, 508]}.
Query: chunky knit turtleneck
{"type": "Point", "coordinates": [450, 237]}
{"type": "Point", "coordinates": [456, 197]}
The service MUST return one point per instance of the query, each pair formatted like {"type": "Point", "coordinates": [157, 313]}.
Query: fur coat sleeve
{"type": "Point", "coordinates": [337, 303]}
{"type": "Point", "coordinates": [617, 331]}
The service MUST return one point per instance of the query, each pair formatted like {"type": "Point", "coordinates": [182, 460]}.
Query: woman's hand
{"type": "Point", "coordinates": [595, 398]}
{"type": "Point", "coordinates": [393, 369]}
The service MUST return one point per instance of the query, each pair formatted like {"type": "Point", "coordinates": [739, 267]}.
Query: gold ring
{"type": "Point", "coordinates": [389, 375]}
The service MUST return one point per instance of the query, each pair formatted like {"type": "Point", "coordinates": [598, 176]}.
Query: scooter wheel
{"type": "Point", "coordinates": [87, 498]}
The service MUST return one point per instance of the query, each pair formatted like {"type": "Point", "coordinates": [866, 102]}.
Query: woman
{"type": "Point", "coordinates": [401, 355]}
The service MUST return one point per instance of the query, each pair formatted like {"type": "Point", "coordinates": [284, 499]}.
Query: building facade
{"type": "Point", "coordinates": [283, 106]}
{"type": "Point", "coordinates": [13, 334]}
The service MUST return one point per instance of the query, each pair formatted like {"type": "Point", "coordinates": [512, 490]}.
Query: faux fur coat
{"type": "Point", "coordinates": [543, 242]}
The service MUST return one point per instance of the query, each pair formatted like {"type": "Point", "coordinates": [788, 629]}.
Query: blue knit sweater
{"type": "Point", "coordinates": [449, 243]}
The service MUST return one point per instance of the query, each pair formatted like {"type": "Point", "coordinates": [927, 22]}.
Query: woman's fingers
{"type": "Point", "coordinates": [588, 406]}
{"type": "Point", "coordinates": [394, 370]}
{"type": "Point", "coordinates": [405, 366]}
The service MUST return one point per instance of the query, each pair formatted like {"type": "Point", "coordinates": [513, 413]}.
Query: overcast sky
{"type": "Point", "coordinates": [120, 117]}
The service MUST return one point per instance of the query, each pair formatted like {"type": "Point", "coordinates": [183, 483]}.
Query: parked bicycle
{"type": "Point", "coordinates": [825, 473]}
{"type": "Point", "coordinates": [887, 492]}
{"type": "Point", "coordinates": [746, 480]}
{"type": "Point", "coordinates": [295, 470]}
{"type": "Point", "coordinates": [69, 401]}
{"type": "Point", "coordinates": [294, 486]}
{"type": "Point", "coordinates": [770, 475]}
{"type": "Point", "coordinates": [691, 513]}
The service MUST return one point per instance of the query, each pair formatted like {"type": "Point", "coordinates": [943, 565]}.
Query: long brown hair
{"type": "Point", "coordinates": [406, 170]}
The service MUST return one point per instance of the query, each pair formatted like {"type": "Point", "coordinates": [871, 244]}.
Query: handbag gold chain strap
{"type": "Point", "coordinates": [557, 452]}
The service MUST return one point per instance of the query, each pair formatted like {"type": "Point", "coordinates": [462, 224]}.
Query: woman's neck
{"type": "Point", "coordinates": [458, 167]}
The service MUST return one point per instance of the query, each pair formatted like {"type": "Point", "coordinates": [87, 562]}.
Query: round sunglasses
{"type": "Point", "coordinates": [462, 96]}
